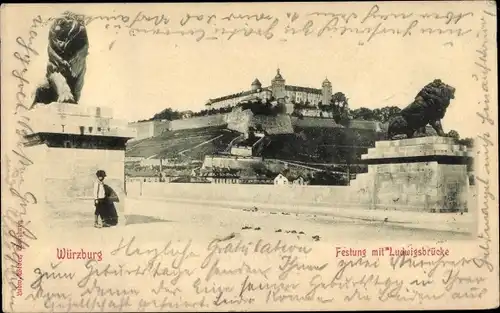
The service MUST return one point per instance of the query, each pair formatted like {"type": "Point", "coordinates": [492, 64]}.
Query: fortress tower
{"type": "Point", "coordinates": [278, 86]}
{"type": "Point", "coordinates": [256, 85]}
{"type": "Point", "coordinates": [326, 92]}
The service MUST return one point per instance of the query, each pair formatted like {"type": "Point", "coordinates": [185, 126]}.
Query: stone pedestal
{"type": "Point", "coordinates": [427, 174]}
{"type": "Point", "coordinates": [68, 145]}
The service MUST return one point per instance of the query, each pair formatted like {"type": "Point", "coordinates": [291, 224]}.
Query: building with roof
{"type": "Point", "coordinates": [277, 90]}
{"type": "Point", "coordinates": [220, 175]}
{"type": "Point", "coordinates": [255, 180]}
{"type": "Point", "coordinates": [288, 179]}
{"type": "Point", "coordinates": [315, 113]}
{"type": "Point", "coordinates": [190, 180]}
{"type": "Point", "coordinates": [143, 176]}
{"type": "Point", "coordinates": [251, 146]}
{"type": "Point", "coordinates": [281, 180]}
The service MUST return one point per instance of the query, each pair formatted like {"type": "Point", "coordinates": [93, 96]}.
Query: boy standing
{"type": "Point", "coordinates": [99, 197]}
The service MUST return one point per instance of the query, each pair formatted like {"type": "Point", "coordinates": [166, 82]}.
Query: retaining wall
{"type": "Point", "coordinates": [287, 194]}
{"type": "Point", "coordinates": [199, 122]}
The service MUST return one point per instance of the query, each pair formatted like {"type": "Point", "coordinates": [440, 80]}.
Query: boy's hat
{"type": "Point", "coordinates": [100, 173]}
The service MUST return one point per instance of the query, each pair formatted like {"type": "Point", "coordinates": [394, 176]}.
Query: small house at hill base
{"type": "Point", "coordinates": [283, 179]}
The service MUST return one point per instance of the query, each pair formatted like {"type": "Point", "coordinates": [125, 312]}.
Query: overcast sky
{"type": "Point", "coordinates": [140, 76]}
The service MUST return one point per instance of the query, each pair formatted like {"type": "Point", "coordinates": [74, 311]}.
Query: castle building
{"type": "Point", "coordinates": [278, 87]}
{"type": "Point", "coordinates": [277, 90]}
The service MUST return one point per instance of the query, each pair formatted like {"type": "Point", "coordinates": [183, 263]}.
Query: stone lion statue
{"type": "Point", "coordinates": [429, 107]}
{"type": "Point", "coordinates": [67, 51]}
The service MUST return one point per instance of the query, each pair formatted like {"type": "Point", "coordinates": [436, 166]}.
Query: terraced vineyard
{"type": "Point", "coordinates": [191, 144]}
{"type": "Point", "coordinates": [306, 144]}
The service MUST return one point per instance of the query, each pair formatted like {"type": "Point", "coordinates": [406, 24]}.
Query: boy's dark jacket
{"type": "Point", "coordinates": [110, 194]}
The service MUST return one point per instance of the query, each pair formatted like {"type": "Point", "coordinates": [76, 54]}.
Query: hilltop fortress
{"type": "Point", "coordinates": [278, 90]}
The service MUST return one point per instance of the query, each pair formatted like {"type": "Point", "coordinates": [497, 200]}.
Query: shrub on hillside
{"type": "Point", "coordinates": [326, 178]}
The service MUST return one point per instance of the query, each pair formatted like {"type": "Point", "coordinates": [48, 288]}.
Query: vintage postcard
{"type": "Point", "coordinates": [249, 156]}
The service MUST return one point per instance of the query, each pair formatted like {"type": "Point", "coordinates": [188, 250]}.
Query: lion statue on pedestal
{"type": "Point", "coordinates": [67, 50]}
{"type": "Point", "coordinates": [429, 107]}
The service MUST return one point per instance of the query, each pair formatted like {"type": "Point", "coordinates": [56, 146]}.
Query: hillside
{"type": "Point", "coordinates": [321, 145]}
{"type": "Point", "coordinates": [189, 144]}
{"type": "Point", "coordinates": [310, 140]}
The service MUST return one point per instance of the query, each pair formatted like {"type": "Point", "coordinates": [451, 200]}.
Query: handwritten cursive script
{"type": "Point", "coordinates": [374, 22]}
{"type": "Point", "coordinates": [16, 202]}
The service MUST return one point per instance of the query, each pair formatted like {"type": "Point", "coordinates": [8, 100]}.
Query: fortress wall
{"type": "Point", "coordinates": [199, 122]}
{"type": "Point", "coordinates": [161, 126]}
{"type": "Point", "coordinates": [274, 125]}
{"type": "Point", "coordinates": [239, 120]}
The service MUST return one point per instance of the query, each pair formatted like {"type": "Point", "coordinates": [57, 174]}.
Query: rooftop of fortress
{"type": "Point", "coordinates": [252, 92]}
{"type": "Point", "coordinates": [236, 95]}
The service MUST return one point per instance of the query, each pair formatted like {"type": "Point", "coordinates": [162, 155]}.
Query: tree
{"type": "Point", "coordinates": [344, 119]}
{"type": "Point", "coordinates": [386, 113]}
{"type": "Point", "coordinates": [363, 114]}
{"type": "Point", "coordinates": [328, 178]}
{"type": "Point", "coordinates": [339, 100]}
{"type": "Point", "coordinates": [338, 106]}
{"type": "Point", "coordinates": [382, 115]}
{"type": "Point", "coordinates": [377, 114]}
{"type": "Point", "coordinates": [260, 107]}
{"type": "Point", "coordinates": [167, 114]}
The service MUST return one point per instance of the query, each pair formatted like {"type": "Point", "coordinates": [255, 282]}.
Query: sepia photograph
{"type": "Point", "coordinates": [246, 157]}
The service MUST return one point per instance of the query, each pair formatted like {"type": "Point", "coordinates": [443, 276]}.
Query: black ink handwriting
{"type": "Point", "coordinates": [179, 255]}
